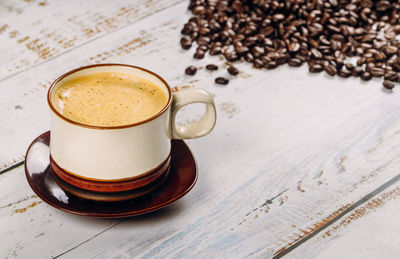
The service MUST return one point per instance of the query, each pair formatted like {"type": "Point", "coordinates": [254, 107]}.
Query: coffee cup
{"type": "Point", "coordinates": [112, 125]}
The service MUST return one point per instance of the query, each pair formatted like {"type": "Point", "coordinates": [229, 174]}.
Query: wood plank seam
{"type": "Point", "coordinates": [87, 240]}
{"type": "Point", "coordinates": [16, 165]}
{"type": "Point", "coordinates": [285, 250]}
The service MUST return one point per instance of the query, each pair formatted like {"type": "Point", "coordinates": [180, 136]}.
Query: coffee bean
{"type": "Point", "coordinates": [257, 51]}
{"type": "Point", "coordinates": [380, 56]}
{"type": "Point", "coordinates": [278, 17]}
{"type": "Point", "coordinates": [330, 69]}
{"type": "Point", "coordinates": [222, 80]}
{"type": "Point", "coordinates": [203, 40]}
{"type": "Point", "coordinates": [191, 70]}
{"type": "Point", "coordinates": [258, 63]}
{"type": "Point", "coordinates": [316, 53]}
{"type": "Point", "coordinates": [315, 68]}
{"type": "Point", "coordinates": [377, 72]}
{"type": "Point", "coordinates": [199, 10]}
{"type": "Point", "coordinates": [390, 50]}
{"type": "Point", "coordinates": [249, 57]}
{"type": "Point", "coordinates": [199, 55]}
{"type": "Point", "coordinates": [233, 71]}
{"type": "Point", "coordinates": [271, 65]}
{"type": "Point", "coordinates": [202, 48]}
{"type": "Point", "coordinates": [344, 73]}
{"type": "Point", "coordinates": [390, 75]}
{"type": "Point", "coordinates": [388, 84]}
{"type": "Point", "coordinates": [360, 61]}
{"type": "Point", "coordinates": [357, 71]}
{"type": "Point", "coordinates": [212, 67]}
{"type": "Point", "coordinates": [204, 31]}
{"type": "Point", "coordinates": [366, 76]}
{"type": "Point", "coordinates": [294, 47]}
{"type": "Point", "coordinates": [382, 6]}
{"type": "Point", "coordinates": [338, 37]}
{"type": "Point", "coordinates": [241, 49]}
{"type": "Point", "coordinates": [295, 62]}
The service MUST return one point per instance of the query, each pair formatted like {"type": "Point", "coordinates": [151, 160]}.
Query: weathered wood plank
{"type": "Point", "coordinates": [32, 32]}
{"type": "Point", "coordinates": [29, 226]}
{"type": "Point", "coordinates": [289, 150]}
{"type": "Point", "coordinates": [370, 231]}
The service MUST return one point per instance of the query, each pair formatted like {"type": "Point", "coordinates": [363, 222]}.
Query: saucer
{"type": "Point", "coordinates": [179, 181]}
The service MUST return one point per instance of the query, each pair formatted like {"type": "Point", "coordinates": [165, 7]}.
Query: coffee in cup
{"type": "Point", "coordinates": [108, 99]}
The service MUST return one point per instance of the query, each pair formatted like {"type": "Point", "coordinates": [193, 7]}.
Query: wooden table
{"type": "Point", "coordinates": [299, 165]}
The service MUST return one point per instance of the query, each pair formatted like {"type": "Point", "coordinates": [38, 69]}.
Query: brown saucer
{"type": "Point", "coordinates": [40, 176]}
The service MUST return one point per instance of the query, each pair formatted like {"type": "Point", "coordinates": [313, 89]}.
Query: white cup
{"type": "Point", "coordinates": [124, 152]}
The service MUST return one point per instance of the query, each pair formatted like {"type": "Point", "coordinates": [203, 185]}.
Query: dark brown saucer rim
{"type": "Point", "coordinates": [40, 176]}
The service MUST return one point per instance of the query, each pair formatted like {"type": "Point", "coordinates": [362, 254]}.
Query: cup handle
{"type": "Point", "coordinates": [195, 129]}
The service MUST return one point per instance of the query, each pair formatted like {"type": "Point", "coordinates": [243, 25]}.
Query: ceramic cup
{"type": "Point", "coordinates": [127, 157]}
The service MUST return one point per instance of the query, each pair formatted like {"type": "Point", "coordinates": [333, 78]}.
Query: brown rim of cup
{"type": "Point", "coordinates": [120, 180]}
{"type": "Point", "coordinates": [126, 184]}
{"type": "Point", "coordinates": [104, 127]}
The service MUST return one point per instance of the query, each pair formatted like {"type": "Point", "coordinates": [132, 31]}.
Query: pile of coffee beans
{"type": "Point", "coordinates": [358, 38]}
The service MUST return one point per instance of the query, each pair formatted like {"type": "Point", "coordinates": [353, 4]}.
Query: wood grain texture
{"type": "Point", "coordinates": [370, 231]}
{"type": "Point", "coordinates": [290, 150]}
{"type": "Point", "coordinates": [30, 228]}
{"type": "Point", "coordinates": [34, 31]}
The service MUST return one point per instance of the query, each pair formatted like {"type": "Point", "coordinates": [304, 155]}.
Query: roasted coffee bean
{"type": "Point", "coordinates": [191, 70]}
{"type": "Point", "coordinates": [258, 63]}
{"type": "Point", "coordinates": [233, 71]}
{"type": "Point", "coordinates": [315, 68]}
{"type": "Point", "coordinates": [344, 73]}
{"type": "Point", "coordinates": [241, 49]}
{"type": "Point", "coordinates": [338, 37]}
{"type": "Point", "coordinates": [278, 17]}
{"type": "Point", "coordinates": [249, 57]}
{"type": "Point", "coordinates": [212, 67]}
{"type": "Point", "coordinates": [377, 72]}
{"type": "Point", "coordinates": [390, 50]}
{"type": "Point", "coordinates": [271, 65]}
{"type": "Point", "coordinates": [382, 6]}
{"type": "Point", "coordinates": [199, 55]}
{"type": "Point", "coordinates": [366, 76]}
{"type": "Point", "coordinates": [222, 80]}
{"type": "Point", "coordinates": [357, 71]}
{"type": "Point", "coordinates": [390, 75]}
{"type": "Point", "coordinates": [295, 62]}
{"type": "Point", "coordinates": [294, 47]}
{"type": "Point", "coordinates": [330, 69]}
{"type": "Point", "coordinates": [202, 48]}
{"type": "Point", "coordinates": [204, 31]}
{"type": "Point", "coordinates": [360, 61]}
{"type": "Point", "coordinates": [257, 51]}
{"type": "Point", "coordinates": [215, 50]}
{"type": "Point", "coordinates": [315, 53]}
{"type": "Point", "coordinates": [388, 84]}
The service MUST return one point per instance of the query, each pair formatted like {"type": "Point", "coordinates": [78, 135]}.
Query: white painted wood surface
{"type": "Point", "coordinates": [290, 150]}
{"type": "Point", "coordinates": [370, 231]}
